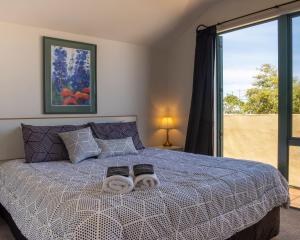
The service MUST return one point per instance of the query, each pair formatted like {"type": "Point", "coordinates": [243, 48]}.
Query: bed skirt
{"type": "Point", "coordinates": [10, 222]}
{"type": "Point", "coordinates": [265, 229]}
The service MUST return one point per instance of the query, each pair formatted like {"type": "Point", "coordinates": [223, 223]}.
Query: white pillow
{"type": "Point", "coordinates": [80, 144]}
{"type": "Point", "coordinates": [116, 147]}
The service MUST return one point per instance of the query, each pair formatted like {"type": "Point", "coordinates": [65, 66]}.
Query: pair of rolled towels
{"type": "Point", "coordinates": [120, 180]}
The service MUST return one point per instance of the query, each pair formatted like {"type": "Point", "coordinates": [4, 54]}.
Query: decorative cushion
{"type": "Point", "coordinates": [80, 144]}
{"type": "Point", "coordinates": [42, 143]}
{"type": "Point", "coordinates": [116, 147]}
{"type": "Point", "coordinates": [117, 130]}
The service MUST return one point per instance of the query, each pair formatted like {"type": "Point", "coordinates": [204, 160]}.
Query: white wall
{"type": "Point", "coordinates": [122, 74]}
{"type": "Point", "coordinates": [158, 97]}
{"type": "Point", "coordinates": [179, 60]}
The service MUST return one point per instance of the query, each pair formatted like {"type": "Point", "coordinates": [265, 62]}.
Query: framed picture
{"type": "Point", "coordinates": [70, 84]}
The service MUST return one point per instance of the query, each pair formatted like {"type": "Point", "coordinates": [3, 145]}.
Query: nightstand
{"type": "Point", "coordinates": [174, 148]}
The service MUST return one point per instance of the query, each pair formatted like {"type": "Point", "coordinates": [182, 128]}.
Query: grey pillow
{"type": "Point", "coordinates": [80, 144]}
{"type": "Point", "coordinates": [116, 147]}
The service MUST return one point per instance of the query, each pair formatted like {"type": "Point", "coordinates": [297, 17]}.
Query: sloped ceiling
{"type": "Point", "coordinates": [134, 21]}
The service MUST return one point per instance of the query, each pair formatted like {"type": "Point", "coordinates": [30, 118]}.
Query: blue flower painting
{"type": "Point", "coordinates": [70, 76]}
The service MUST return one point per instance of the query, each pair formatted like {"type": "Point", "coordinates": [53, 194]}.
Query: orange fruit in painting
{"type": "Point", "coordinates": [85, 96]}
{"type": "Point", "coordinates": [66, 92]}
{"type": "Point", "coordinates": [70, 101]}
{"type": "Point", "coordinates": [77, 95]}
{"type": "Point", "coordinates": [86, 90]}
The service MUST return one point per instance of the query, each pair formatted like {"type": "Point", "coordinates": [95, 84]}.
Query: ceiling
{"type": "Point", "coordinates": [134, 21]}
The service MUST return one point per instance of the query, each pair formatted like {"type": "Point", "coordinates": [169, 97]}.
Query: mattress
{"type": "Point", "coordinates": [200, 197]}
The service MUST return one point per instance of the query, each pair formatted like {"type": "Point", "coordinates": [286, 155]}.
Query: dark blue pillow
{"type": "Point", "coordinates": [42, 143]}
{"type": "Point", "coordinates": [117, 130]}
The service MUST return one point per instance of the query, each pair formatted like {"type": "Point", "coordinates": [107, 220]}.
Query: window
{"type": "Point", "coordinates": [258, 100]}
{"type": "Point", "coordinates": [250, 93]}
{"type": "Point", "coordinates": [296, 77]}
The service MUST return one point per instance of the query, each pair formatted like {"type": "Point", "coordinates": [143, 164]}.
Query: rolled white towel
{"type": "Point", "coordinates": [118, 184]}
{"type": "Point", "coordinates": [146, 181]}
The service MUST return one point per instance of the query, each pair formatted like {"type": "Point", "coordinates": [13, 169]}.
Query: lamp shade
{"type": "Point", "coordinates": [167, 123]}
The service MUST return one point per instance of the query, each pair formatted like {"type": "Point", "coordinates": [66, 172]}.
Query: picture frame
{"type": "Point", "coordinates": [70, 76]}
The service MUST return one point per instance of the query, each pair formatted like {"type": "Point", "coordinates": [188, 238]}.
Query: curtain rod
{"type": "Point", "coordinates": [249, 14]}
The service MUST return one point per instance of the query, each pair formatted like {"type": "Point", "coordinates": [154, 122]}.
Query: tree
{"type": "Point", "coordinates": [296, 96]}
{"type": "Point", "coordinates": [262, 98]}
{"type": "Point", "coordinates": [232, 104]}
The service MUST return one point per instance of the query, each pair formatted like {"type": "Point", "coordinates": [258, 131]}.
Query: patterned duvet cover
{"type": "Point", "coordinates": [200, 197]}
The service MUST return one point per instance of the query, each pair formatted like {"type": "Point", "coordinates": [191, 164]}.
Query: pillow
{"type": "Point", "coordinates": [42, 143]}
{"type": "Point", "coordinates": [116, 147]}
{"type": "Point", "coordinates": [80, 144]}
{"type": "Point", "coordinates": [107, 131]}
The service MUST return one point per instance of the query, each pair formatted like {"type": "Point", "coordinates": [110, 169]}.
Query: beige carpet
{"type": "Point", "coordinates": [290, 226]}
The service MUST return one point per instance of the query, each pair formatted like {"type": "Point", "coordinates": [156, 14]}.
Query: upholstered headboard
{"type": "Point", "coordinates": [11, 141]}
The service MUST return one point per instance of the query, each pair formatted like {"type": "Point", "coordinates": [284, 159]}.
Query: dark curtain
{"type": "Point", "coordinates": [200, 134]}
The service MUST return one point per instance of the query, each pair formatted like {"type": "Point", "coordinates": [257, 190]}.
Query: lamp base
{"type": "Point", "coordinates": [167, 144]}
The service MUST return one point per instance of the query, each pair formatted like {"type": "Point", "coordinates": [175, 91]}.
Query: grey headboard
{"type": "Point", "coordinates": [11, 142]}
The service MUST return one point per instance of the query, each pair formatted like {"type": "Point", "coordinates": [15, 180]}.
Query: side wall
{"type": "Point", "coordinates": [123, 74]}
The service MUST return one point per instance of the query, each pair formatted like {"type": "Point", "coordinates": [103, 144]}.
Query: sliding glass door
{"type": "Point", "coordinates": [294, 97]}
{"type": "Point", "coordinates": [258, 100]}
{"type": "Point", "coordinates": [296, 77]}
{"type": "Point", "coordinates": [250, 93]}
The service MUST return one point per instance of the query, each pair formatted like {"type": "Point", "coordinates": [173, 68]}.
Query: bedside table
{"type": "Point", "coordinates": [174, 148]}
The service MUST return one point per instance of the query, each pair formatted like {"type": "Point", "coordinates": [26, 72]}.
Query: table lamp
{"type": "Point", "coordinates": [167, 123]}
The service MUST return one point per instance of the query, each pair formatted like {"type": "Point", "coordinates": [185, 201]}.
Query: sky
{"type": "Point", "coordinates": [247, 49]}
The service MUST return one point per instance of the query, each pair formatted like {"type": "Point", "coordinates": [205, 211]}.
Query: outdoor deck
{"type": "Point", "coordinates": [295, 197]}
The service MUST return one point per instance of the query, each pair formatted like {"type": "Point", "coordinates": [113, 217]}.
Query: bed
{"type": "Point", "coordinates": [200, 197]}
